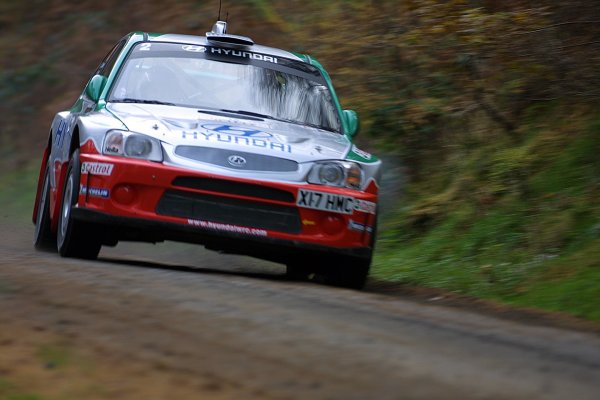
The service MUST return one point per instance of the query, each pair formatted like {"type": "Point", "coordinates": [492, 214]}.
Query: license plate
{"type": "Point", "coordinates": [325, 201]}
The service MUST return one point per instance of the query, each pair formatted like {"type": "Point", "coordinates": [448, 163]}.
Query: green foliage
{"type": "Point", "coordinates": [567, 284]}
{"type": "Point", "coordinates": [516, 223]}
{"type": "Point", "coordinates": [17, 193]}
{"type": "Point", "coordinates": [14, 83]}
{"type": "Point", "coordinates": [24, 397]}
{"type": "Point", "coordinates": [54, 356]}
{"type": "Point", "coordinates": [8, 391]}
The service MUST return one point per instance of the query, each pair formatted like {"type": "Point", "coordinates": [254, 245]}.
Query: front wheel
{"type": "Point", "coordinates": [343, 271]}
{"type": "Point", "coordinates": [348, 272]}
{"type": "Point", "coordinates": [75, 238]}
{"type": "Point", "coordinates": [298, 270]}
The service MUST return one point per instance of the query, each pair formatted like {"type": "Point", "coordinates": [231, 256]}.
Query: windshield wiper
{"type": "Point", "coordinates": [227, 113]}
{"type": "Point", "coordinates": [144, 101]}
{"type": "Point", "coordinates": [250, 113]}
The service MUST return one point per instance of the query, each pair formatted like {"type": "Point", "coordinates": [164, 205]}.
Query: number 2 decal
{"type": "Point", "coordinates": [145, 46]}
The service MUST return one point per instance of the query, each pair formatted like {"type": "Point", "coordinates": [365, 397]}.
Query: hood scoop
{"type": "Point", "coordinates": [182, 124]}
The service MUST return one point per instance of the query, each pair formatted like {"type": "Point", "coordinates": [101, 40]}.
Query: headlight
{"type": "Point", "coordinates": [337, 173]}
{"type": "Point", "coordinates": [127, 144]}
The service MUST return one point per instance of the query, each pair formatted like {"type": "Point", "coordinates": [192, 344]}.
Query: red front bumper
{"type": "Point", "coordinates": [211, 205]}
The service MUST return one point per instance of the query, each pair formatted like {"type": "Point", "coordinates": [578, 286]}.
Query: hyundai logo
{"type": "Point", "coordinates": [237, 131]}
{"type": "Point", "coordinates": [236, 161]}
{"type": "Point", "coordinates": [195, 49]}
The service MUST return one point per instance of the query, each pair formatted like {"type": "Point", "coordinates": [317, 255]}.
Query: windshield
{"type": "Point", "coordinates": [228, 80]}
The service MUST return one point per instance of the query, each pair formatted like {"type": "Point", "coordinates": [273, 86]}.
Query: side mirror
{"type": "Point", "coordinates": [351, 122]}
{"type": "Point", "coordinates": [94, 87]}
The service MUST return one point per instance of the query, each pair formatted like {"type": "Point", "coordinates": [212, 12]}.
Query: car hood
{"type": "Point", "coordinates": [184, 126]}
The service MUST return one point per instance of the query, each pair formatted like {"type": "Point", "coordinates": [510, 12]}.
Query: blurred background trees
{"type": "Point", "coordinates": [418, 71]}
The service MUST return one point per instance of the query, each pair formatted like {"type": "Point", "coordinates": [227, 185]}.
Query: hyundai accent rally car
{"type": "Point", "coordinates": [212, 140]}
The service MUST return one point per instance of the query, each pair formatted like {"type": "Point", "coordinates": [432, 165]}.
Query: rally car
{"type": "Point", "coordinates": [213, 140]}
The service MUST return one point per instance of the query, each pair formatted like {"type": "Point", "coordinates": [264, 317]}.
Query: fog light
{"type": "Point", "coordinates": [124, 194]}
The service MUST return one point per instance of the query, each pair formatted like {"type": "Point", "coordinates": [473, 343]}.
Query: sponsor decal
{"type": "Point", "coordinates": [112, 149]}
{"type": "Point", "coordinates": [308, 222]}
{"type": "Point", "coordinates": [251, 138]}
{"type": "Point", "coordinates": [62, 126]}
{"type": "Point", "coordinates": [237, 131]}
{"type": "Point", "coordinates": [236, 161]}
{"type": "Point", "coordinates": [362, 153]}
{"type": "Point", "coordinates": [243, 54]}
{"type": "Point", "coordinates": [193, 48]}
{"type": "Point", "coordinates": [113, 144]}
{"type": "Point", "coordinates": [96, 168]}
{"type": "Point", "coordinates": [357, 226]}
{"type": "Point", "coordinates": [227, 227]}
{"type": "Point", "coordinates": [325, 201]}
{"type": "Point", "coordinates": [89, 147]}
{"type": "Point", "coordinates": [94, 192]}
{"type": "Point", "coordinates": [365, 206]}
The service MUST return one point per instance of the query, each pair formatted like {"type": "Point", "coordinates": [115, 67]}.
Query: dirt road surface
{"type": "Point", "coordinates": [176, 322]}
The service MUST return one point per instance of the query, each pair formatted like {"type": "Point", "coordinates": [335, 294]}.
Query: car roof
{"type": "Point", "coordinates": [202, 41]}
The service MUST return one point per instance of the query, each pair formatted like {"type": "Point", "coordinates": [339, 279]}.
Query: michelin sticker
{"type": "Point", "coordinates": [356, 226]}
{"type": "Point", "coordinates": [94, 192]}
{"type": "Point", "coordinates": [96, 168]}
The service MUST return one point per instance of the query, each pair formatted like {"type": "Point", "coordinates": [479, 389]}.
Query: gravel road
{"type": "Point", "coordinates": [173, 321]}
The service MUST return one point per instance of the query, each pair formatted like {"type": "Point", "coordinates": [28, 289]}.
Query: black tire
{"type": "Point", "coordinates": [43, 239]}
{"type": "Point", "coordinates": [74, 238]}
{"type": "Point", "coordinates": [350, 272]}
{"type": "Point", "coordinates": [298, 271]}
{"type": "Point", "coordinates": [347, 272]}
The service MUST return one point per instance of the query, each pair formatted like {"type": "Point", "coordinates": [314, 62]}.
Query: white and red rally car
{"type": "Point", "coordinates": [212, 140]}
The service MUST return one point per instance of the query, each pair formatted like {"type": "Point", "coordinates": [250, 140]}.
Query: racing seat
{"type": "Point", "coordinates": [162, 84]}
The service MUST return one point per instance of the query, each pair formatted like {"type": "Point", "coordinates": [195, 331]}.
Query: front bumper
{"type": "Point", "coordinates": [273, 249]}
{"type": "Point", "coordinates": [133, 199]}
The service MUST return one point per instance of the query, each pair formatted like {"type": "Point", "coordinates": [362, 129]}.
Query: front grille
{"type": "Point", "coordinates": [229, 211]}
{"type": "Point", "coordinates": [252, 161]}
{"type": "Point", "coordinates": [235, 188]}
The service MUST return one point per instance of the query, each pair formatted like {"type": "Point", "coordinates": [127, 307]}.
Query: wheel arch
{"type": "Point", "coordinates": [56, 205]}
{"type": "Point", "coordinates": [41, 174]}
{"type": "Point", "coordinates": [75, 142]}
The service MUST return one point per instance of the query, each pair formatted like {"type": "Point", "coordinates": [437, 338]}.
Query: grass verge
{"type": "Point", "coordinates": [516, 223]}
{"type": "Point", "coordinates": [17, 193]}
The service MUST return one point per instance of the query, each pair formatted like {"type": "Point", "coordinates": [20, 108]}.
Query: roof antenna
{"type": "Point", "coordinates": [219, 36]}
{"type": "Point", "coordinates": [220, 27]}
